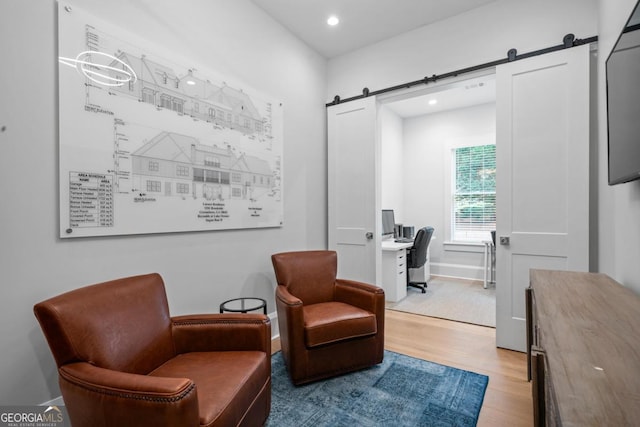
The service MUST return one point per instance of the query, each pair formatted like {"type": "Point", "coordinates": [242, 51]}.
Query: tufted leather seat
{"type": "Point", "coordinates": [123, 361]}
{"type": "Point", "coordinates": [328, 326]}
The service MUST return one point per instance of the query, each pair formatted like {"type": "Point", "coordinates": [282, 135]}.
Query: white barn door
{"type": "Point", "coordinates": [353, 190]}
{"type": "Point", "coordinates": [542, 110]}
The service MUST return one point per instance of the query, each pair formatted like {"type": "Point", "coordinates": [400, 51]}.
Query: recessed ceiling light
{"type": "Point", "coordinates": [191, 82]}
{"type": "Point", "coordinates": [333, 20]}
{"type": "Point", "coordinates": [433, 101]}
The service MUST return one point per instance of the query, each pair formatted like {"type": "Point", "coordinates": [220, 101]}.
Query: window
{"type": "Point", "coordinates": [148, 95]}
{"type": "Point", "coordinates": [182, 188]}
{"type": "Point", "coordinates": [177, 105]}
{"type": "Point", "coordinates": [212, 176]}
{"type": "Point", "coordinates": [212, 161]}
{"type": "Point", "coordinates": [154, 166]}
{"type": "Point", "coordinates": [153, 186]}
{"type": "Point", "coordinates": [165, 101]}
{"type": "Point", "coordinates": [182, 170]}
{"type": "Point", "coordinates": [224, 177]}
{"type": "Point", "coordinates": [473, 193]}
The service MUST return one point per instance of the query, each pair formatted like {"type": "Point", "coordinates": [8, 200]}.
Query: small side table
{"type": "Point", "coordinates": [243, 305]}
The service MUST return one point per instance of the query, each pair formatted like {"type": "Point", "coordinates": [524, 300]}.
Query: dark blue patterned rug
{"type": "Point", "coordinates": [401, 391]}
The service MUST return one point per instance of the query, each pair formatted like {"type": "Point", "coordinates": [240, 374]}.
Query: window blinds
{"type": "Point", "coordinates": [474, 193]}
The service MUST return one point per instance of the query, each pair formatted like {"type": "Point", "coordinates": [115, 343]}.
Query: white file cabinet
{"type": "Point", "coordinates": [394, 270]}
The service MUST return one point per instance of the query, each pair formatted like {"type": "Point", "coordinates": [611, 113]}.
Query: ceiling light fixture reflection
{"type": "Point", "coordinates": [333, 20]}
{"type": "Point", "coordinates": [433, 101]}
{"type": "Point", "coordinates": [85, 63]}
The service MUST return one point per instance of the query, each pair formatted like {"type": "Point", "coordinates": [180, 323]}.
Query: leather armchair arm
{"type": "Point", "coordinates": [222, 332]}
{"type": "Point", "coordinates": [290, 320]}
{"type": "Point", "coordinates": [101, 397]}
{"type": "Point", "coordinates": [285, 297]}
{"type": "Point", "coordinates": [359, 294]}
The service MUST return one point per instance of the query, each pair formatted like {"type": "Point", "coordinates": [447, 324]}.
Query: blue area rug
{"type": "Point", "coordinates": [401, 391]}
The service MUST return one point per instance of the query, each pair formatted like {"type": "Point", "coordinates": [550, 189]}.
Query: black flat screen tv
{"type": "Point", "coordinates": [623, 104]}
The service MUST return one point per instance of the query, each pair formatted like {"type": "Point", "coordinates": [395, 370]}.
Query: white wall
{"type": "Point", "coordinates": [618, 214]}
{"type": "Point", "coordinates": [476, 37]}
{"type": "Point", "coordinates": [200, 269]}
{"type": "Point", "coordinates": [392, 189]}
{"type": "Point", "coordinates": [486, 34]}
{"type": "Point", "coordinates": [482, 35]}
{"type": "Point", "coordinates": [428, 141]}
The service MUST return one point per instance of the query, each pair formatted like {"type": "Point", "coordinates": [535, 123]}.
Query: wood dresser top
{"type": "Point", "coordinates": [589, 329]}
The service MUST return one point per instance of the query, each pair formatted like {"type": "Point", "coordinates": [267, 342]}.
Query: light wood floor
{"type": "Point", "coordinates": [507, 401]}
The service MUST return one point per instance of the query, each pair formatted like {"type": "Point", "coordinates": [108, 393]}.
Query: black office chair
{"type": "Point", "coordinates": [417, 255]}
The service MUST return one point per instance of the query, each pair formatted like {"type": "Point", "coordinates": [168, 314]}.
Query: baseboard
{"type": "Point", "coordinates": [457, 279]}
{"type": "Point", "coordinates": [458, 271]}
{"type": "Point", "coordinates": [275, 332]}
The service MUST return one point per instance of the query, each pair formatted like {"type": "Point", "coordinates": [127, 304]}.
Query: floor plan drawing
{"type": "Point", "coordinates": [150, 144]}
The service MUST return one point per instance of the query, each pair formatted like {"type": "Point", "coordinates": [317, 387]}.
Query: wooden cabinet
{"type": "Point", "coordinates": [583, 348]}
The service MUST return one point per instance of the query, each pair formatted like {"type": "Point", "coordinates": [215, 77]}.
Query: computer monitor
{"type": "Point", "coordinates": [388, 223]}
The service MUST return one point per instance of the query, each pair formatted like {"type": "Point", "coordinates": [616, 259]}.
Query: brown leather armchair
{"type": "Point", "coordinates": [123, 361]}
{"type": "Point", "coordinates": [328, 326]}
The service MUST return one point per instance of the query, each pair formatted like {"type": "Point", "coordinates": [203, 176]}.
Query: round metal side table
{"type": "Point", "coordinates": [243, 305]}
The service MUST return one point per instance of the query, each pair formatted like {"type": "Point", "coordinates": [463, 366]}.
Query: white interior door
{"type": "Point", "coordinates": [353, 189]}
{"type": "Point", "coordinates": [542, 113]}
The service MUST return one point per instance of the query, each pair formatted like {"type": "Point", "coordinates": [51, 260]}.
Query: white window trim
{"type": "Point", "coordinates": [481, 139]}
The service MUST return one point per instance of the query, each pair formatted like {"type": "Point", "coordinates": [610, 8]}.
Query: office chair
{"type": "Point", "coordinates": [417, 255]}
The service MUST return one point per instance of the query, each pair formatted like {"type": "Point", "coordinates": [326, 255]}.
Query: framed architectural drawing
{"type": "Point", "coordinates": [152, 143]}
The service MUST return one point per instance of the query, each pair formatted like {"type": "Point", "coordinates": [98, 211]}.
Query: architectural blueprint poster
{"type": "Point", "coordinates": [151, 142]}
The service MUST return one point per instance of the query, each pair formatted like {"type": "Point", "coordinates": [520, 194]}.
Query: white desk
{"type": "Point", "coordinates": [394, 269]}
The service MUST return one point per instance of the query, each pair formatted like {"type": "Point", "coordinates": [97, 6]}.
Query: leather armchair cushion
{"type": "Point", "coordinates": [227, 381]}
{"type": "Point", "coordinates": [331, 322]}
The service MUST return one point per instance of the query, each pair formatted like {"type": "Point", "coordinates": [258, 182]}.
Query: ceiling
{"type": "Point", "coordinates": [362, 22]}
{"type": "Point", "coordinates": [462, 94]}
{"type": "Point", "coordinates": [365, 22]}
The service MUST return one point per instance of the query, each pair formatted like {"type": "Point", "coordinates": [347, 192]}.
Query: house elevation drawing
{"type": "Point", "coordinates": [151, 145]}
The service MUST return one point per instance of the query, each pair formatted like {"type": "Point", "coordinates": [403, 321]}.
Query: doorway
{"type": "Point", "coordinates": [419, 134]}
{"type": "Point", "coordinates": [542, 130]}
